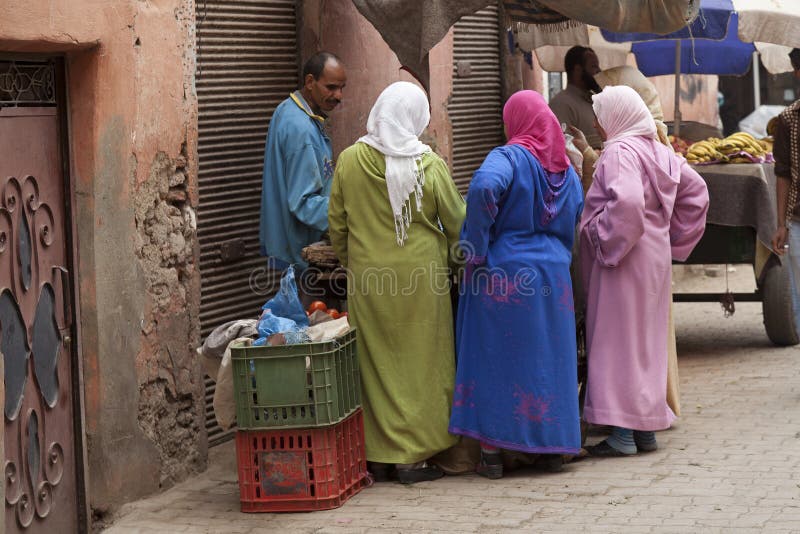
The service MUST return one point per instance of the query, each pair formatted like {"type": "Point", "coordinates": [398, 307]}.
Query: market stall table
{"type": "Point", "coordinates": [740, 224]}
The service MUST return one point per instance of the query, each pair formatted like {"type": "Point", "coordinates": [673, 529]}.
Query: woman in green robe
{"type": "Point", "coordinates": [395, 216]}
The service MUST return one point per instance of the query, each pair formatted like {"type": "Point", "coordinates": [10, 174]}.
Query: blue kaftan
{"type": "Point", "coordinates": [296, 184]}
{"type": "Point", "coordinates": [516, 382]}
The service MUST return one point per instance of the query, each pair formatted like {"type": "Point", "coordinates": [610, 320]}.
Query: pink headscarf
{"type": "Point", "coordinates": [531, 125]}
{"type": "Point", "coordinates": [622, 113]}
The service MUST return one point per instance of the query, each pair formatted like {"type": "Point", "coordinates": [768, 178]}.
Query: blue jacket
{"type": "Point", "coordinates": [298, 171]}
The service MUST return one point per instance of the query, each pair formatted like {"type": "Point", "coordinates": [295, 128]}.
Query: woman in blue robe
{"type": "Point", "coordinates": [516, 379]}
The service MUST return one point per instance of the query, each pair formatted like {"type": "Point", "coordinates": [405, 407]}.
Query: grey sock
{"type": "Point", "coordinates": [622, 440]}
{"type": "Point", "coordinates": [645, 440]}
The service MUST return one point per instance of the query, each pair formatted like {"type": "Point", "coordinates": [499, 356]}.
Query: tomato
{"type": "Point", "coordinates": [317, 305]}
{"type": "Point", "coordinates": [333, 312]}
{"type": "Point", "coordinates": [343, 314]}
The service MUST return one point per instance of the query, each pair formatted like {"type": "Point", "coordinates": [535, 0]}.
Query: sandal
{"type": "Point", "coordinates": [604, 450]}
{"type": "Point", "coordinates": [420, 474]}
{"type": "Point", "coordinates": [490, 466]}
{"type": "Point", "coordinates": [551, 463]}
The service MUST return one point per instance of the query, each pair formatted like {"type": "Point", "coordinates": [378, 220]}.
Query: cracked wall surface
{"type": "Point", "coordinates": [166, 367]}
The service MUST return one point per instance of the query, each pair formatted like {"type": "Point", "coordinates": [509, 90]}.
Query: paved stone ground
{"type": "Point", "coordinates": [730, 464]}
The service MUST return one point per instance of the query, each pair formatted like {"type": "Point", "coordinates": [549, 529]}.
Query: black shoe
{"type": "Point", "coordinates": [421, 474]}
{"type": "Point", "coordinates": [490, 466]}
{"type": "Point", "coordinates": [552, 463]}
{"type": "Point", "coordinates": [382, 472]}
{"type": "Point", "coordinates": [604, 450]}
{"type": "Point", "coordinates": [641, 446]}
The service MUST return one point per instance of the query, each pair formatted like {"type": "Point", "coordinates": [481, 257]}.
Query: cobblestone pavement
{"type": "Point", "coordinates": [730, 464]}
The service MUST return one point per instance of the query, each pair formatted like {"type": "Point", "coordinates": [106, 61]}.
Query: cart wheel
{"type": "Point", "coordinates": [777, 305]}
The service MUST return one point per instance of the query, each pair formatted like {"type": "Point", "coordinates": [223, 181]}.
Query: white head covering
{"type": "Point", "coordinates": [622, 113]}
{"type": "Point", "coordinates": [632, 77]}
{"type": "Point", "coordinates": [395, 123]}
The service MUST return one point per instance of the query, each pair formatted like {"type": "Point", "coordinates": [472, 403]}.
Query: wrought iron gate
{"type": "Point", "coordinates": [43, 487]}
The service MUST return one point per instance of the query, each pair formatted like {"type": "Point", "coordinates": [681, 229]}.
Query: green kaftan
{"type": "Point", "coordinates": [399, 299]}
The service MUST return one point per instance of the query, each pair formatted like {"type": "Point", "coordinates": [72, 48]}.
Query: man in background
{"type": "Point", "coordinates": [298, 164]}
{"type": "Point", "coordinates": [786, 241]}
{"type": "Point", "coordinates": [573, 105]}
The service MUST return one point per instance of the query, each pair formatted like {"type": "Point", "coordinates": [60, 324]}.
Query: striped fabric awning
{"type": "Point", "coordinates": [532, 12]}
{"type": "Point", "coordinates": [657, 16]}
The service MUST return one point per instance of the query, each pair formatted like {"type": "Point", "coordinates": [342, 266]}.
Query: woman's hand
{"type": "Point", "coordinates": [579, 139]}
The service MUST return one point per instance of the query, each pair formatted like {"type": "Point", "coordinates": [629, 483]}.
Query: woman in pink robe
{"type": "Point", "coordinates": [645, 207]}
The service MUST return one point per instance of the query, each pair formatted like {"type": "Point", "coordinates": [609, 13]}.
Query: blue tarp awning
{"type": "Point", "coordinates": [710, 45]}
{"type": "Point", "coordinates": [729, 56]}
{"type": "Point", "coordinates": [711, 23]}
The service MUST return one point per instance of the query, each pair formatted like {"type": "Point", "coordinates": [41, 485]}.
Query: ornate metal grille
{"type": "Point", "coordinates": [27, 83]}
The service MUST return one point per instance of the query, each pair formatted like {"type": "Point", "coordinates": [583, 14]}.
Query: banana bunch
{"type": "Point", "coordinates": [728, 150]}
{"type": "Point", "coordinates": [742, 142]}
{"type": "Point", "coordinates": [705, 151]}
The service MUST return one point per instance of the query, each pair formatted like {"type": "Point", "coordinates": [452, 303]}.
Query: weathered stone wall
{"type": "Point", "coordinates": [166, 370]}
{"type": "Point", "coordinates": [132, 145]}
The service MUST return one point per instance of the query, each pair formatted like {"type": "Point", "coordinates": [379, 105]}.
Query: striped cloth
{"type": "Point", "coordinates": [791, 117]}
{"type": "Point", "coordinates": [532, 12]}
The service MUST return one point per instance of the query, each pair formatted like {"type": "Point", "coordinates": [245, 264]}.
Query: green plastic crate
{"type": "Point", "coordinates": [296, 386]}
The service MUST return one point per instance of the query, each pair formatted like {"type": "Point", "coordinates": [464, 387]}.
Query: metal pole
{"type": "Point", "coordinates": [677, 119]}
{"type": "Point", "coordinates": [756, 82]}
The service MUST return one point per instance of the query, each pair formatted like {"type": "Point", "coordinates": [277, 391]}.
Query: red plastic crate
{"type": "Point", "coordinates": [301, 470]}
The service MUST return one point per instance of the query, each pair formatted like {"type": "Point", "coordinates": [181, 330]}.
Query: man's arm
{"type": "Point", "coordinates": [782, 185]}
{"type": "Point", "coordinates": [304, 188]}
{"type": "Point", "coordinates": [782, 233]}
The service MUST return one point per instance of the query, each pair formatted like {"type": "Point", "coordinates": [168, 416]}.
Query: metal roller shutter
{"type": "Point", "coordinates": [246, 65]}
{"type": "Point", "coordinates": [476, 105]}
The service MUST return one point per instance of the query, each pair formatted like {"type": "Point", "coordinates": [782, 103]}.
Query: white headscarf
{"type": "Point", "coordinates": [622, 113]}
{"type": "Point", "coordinates": [395, 123]}
{"type": "Point", "coordinates": [632, 77]}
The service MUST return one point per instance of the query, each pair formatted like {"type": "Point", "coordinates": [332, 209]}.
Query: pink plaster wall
{"type": "Point", "coordinates": [337, 26]}
{"type": "Point", "coordinates": [130, 77]}
{"type": "Point", "coordinates": [698, 97]}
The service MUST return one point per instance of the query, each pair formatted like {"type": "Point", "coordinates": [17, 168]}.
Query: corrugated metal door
{"type": "Point", "coordinates": [476, 105]}
{"type": "Point", "coordinates": [246, 65]}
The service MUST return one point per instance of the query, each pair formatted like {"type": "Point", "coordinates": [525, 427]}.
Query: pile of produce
{"type": "Point", "coordinates": [679, 144]}
{"type": "Point", "coordinates": [318, 307]}
{"type": "Point", "coordinates": [740, 147]}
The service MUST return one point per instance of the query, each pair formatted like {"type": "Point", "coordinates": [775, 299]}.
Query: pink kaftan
{"type": "Point", "coordinates": [645, 207]}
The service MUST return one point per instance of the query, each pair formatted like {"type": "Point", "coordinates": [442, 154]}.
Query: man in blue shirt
{"type": "Point", "coordinates": [298, 164]}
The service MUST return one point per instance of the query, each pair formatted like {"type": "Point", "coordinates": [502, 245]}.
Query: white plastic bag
{"type": "Point", "coordinates": [756, 123]}
{"type": "Point", "coordinates": [575, 156]}
{"type": "Point", "coordinates": [224, 403]}
{"type": "Point", "coordinates": [329, 330]}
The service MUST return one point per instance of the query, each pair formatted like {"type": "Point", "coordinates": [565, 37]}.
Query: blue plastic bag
{"type": "Point", "coordinates": [286, 303]}
{"type": "Point", "coordinates": [270, 324]}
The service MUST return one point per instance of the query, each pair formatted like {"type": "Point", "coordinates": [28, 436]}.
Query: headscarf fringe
{"type": "Point", "coordinates": [394, 125]}
{"type": "Point", "coordinates": [525, 27]}
{"type": "Point", "coordinates": [403, 220]}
